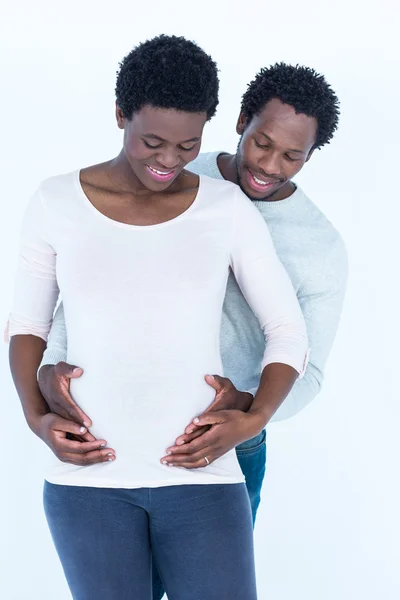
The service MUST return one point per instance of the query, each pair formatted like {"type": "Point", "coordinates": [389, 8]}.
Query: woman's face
{"type": "Point", "coordinates": [159, 143]}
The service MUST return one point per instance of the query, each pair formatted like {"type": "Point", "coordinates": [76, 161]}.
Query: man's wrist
{"type": "Point", "coordinates": [246, 400]}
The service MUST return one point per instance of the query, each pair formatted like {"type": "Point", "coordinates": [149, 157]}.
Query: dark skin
{"type": "Point", "coordinates": [287, 142]}
{"type": "Point", "coordinates": [274, 146]}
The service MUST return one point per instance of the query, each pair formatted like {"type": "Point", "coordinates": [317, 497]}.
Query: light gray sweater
{"type": "Point", "coordinates": [314, 256]}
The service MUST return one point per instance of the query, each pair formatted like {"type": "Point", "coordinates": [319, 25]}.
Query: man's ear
{"type": "Point", "coordinates": [241, 124]}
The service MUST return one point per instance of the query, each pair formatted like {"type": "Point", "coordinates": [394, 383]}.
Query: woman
{"type": "Point", "coordinates": [140, 250]}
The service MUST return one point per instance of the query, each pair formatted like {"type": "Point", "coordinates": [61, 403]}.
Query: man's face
{"type": "Point", "coordinates": [159, 143]}
{"type": "Point", "coordinates": [273, 148]}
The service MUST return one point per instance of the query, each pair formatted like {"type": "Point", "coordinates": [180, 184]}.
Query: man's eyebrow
{"type": "Point", "coordinates": [271, 140]}
{"type": "Point", "coordinates": [153, 136]}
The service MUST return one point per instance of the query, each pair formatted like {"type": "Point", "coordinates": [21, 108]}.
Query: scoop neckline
{"type": "Point", "coordinates": [119, 224]}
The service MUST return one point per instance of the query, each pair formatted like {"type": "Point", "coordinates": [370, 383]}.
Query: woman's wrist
{"type": "Point", "coordinates": [34, 417]}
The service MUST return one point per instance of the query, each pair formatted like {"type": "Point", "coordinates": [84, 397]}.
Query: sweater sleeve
{"type": "Point", "coordinates": [267, 288]}
{"type": "Point", "coordinates": [56, 350]}
{"type": "Point", "coordinates": [36, 290]}
{"type": "Point", "coordinates": [321, 301]}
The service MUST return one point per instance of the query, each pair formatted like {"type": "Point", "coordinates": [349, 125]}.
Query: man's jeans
{"type": "Point", "coordinates": [252, 457]}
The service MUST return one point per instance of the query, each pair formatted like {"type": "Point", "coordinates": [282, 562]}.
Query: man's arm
{"type": "Point", "coordinates": [321, 303]}
{"type": "Point", "coordinates": [56, 349]}
{"type": "Point", "coordinates": [55, 374]}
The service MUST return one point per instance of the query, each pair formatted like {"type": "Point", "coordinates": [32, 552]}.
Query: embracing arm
{"type": "Point", "coordinates": [56, 350]}
{"type": "Point", "coordinates": [321, 301]}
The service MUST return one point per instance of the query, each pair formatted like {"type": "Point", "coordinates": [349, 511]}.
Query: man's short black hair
{"type": "Point", "coordinates": [302, 88]}
{"type": "Point", "coordinates": [167, 72]}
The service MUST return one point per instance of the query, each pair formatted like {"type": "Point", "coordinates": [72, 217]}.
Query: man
{"type": "Point", "coordinates": [287, 113]}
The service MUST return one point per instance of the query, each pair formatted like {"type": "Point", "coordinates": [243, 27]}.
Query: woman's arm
{"type": "Point", "coordinates": [269, 292]}
{"type": "Point", "coordinates": [35, 296]}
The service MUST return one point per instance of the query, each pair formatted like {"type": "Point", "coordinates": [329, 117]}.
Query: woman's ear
{"type": "Point", "coordinates": [120, 117]}
{"type": "Point", "coordinates": [241, 124]}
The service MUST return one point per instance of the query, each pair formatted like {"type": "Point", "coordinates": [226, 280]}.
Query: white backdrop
{"type": "Point", "coordinates": [329, 527]}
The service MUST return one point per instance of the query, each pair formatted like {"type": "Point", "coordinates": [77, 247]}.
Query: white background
{"type": "Point", "coordinates": [328, 528]}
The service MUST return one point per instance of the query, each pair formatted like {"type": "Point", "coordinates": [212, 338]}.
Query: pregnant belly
{"type": "Point", "coordinates": [128, 410]}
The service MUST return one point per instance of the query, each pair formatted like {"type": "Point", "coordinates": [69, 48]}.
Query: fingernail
{"type": "Point", "coordinates": [164, 462]}
{"type": "Point", "coordinates": [82, 429]}
{"type": "Point", "coordinates": [190, 430]}
{"type": "Point", "coordinates": [86, 424]}
{"type": "Point", "coordinates": [196, 420]}
{"type": "Point", "coordinates": [75, 370]}
{"type": "Point", "coordinates": [103, 445]}
{"type": "Point", "coordinates": [110, 459]}
{"type": "Point", "coordinates": [180, 443]}
{"type": "Point", "coordinates": [169, 452]}
{"type": "Point", "coordinates": [110, 454]}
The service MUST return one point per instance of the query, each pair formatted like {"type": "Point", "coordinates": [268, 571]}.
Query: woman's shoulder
{"type": "Point", "coordinates": [58, 185]}
{"type": "Point", "coordinates": [220, 190]}
{"type": "Point", "coordinates": [59, 192]}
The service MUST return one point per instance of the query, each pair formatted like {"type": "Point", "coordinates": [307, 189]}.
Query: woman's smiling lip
{"type": "Point", "coordinates": [159, 175]}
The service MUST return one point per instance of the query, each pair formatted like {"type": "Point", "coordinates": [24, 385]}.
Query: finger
{"type": "Point", "coordinates": [88, 437]}
{"type": "Point", "coordinates": [186, 438]}
{"type": "Point", "coordinates": [64, 445]}
{"type": "Point", "coordinates": [194, 427]}
{"type": "Point", "coordinates": [91, 458]}
{"type": "Point", "coordinates": [212, 418]}
{"type": "Point", "coordinates": [73, 412]}
{"type": "Point", "coordinates": [67, 426]}
{"type": "Point", "coordinates": [62, 405]}
{"type": "Point", "coordinates": [196, 445]}
{"type": "Point", "coordinates": [215, 381]}
{"type": "Point", "coordinates": [66, 370]}
{"type": "Point", "coordinates": [196, 461]}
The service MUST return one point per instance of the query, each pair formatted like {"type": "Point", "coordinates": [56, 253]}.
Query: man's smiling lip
{"type": "Point", "coordinates": [259, 182]}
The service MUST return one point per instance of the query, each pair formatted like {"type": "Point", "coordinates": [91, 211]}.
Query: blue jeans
{"type": "Point", "coordinates": [199, 536]}
{"type": "Point", "coordinates": [252, 457]}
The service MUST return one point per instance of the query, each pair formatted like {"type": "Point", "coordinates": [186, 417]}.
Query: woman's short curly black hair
{"type": "Point", "coordinates": [302, 88]}
{"type": "Point", "coordinates": [167, 72]}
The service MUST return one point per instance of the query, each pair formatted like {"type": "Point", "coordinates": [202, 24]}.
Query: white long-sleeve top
{"type": "Point", "coordinates": [142, 309]}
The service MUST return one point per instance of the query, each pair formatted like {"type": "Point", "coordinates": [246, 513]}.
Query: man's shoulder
{"type": "Point", "coordinates": [315, 223]}
{"type": "Point", "coordinates": [206, 164]}
{"type": "Point", "coordinates": [325, 243]}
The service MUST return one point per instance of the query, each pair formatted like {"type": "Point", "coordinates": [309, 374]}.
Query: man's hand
{"type": "Point", "coordinates": [227, 397]}
{"type": "Point", "coordinates": [70, 442]}
{"type": "Point", "coordinates": [229, 428]}
{"type": "Point", "coordinates": [54, 381]}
